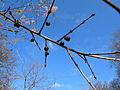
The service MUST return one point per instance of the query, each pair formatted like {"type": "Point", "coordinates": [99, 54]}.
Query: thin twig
{"type": "Point", "coordinates": [25, 79]}
{"type": "Point", "coordinates": [89, 66]}
{"type": "Point", "coordinates": [3, 83]}
{"type": "Point", "coordinates": [86, 61]}
{"type": "Point", "coordinates": [12, 16]}
{"type": "Point", "coordinates": [49, 12]}
{"type": "Point", "coordinates": [25, 83]}
{"type": "Point", "coordinates": [80, 70]}
{"type": "Point", "coordinates": [35, 40]}
{"type": "Point", "coordinates": [104, 53]}
{"type": "Point", "coordinates": [82, 58]}
{"type": "Point", "coordinates": [45, 59]}
{"type": "Point", "coordinates": [6, 10]}
{"type": "Point", "coordinates": [112, 5]}
{"type": "Point", "coordinates": [76, 27]}
{"type": "Point", "coordinates": [46, 54]}
{"type": "Point", "coordinates": [106, 58]}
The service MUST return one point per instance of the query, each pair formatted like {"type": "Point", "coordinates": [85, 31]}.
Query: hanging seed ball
{"type": "Point", "coordinates": [44, 65]}
{"type": "Point", "coordinates": [17, 24]}
{"type": "Point", "coordinates": [46, 48]}
{"type": "Point", "coordinates": [32, 40]}
{"type": "Point", "coordinates": [62, 43]}
{"type": "Point", "coordinates": [95, 77]}
{"type": "Point", "coordinates": [47, 23]}
{"type": "Point", "coordinates": [67, 38]}
{"type": "Point", "coordinates": [46, 53]}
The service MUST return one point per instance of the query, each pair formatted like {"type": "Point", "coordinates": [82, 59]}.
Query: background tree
{"type": "Point", "coordinates": [32, 76]}
{"type": "Point", "coordinates": [116, 46]}
{"type": "Point", "coordinates": [7, 62]}
{"type": "Point", "coordinates": [115, 83]}
{"type": "Point", "coordinates": [28, 12]}
{"type": "Point", "coordinates": [101, 86]}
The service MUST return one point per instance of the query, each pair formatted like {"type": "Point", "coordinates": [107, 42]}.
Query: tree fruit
{"type": "Point", "coordinates": [67, 38]}
{"type": "Point", "coordinates": [16, 25]}
{"type": "Point", "coordinates": [46, 53]}
{"type": "Point", "coordinates": [46, 48]}
{"type": "Point", "coordinates": [62, 43]}
{"type": "Point", "coordinates": [47, 23]}
{"type": "Point", "coordinates": [32, 40]}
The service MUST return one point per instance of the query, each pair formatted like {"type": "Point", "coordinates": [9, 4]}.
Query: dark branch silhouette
{"type": "Point", "coordinates": [75, 27]}
{"type": "Point", "coordinates": [86, 61]}
{"type": "Point", "coordinates": [80, 70]}
{"type": "Point", "coordinates": [112, 5]}
{"type": "Point", "coordinates": [49, 12]}
{"type": "Point", "coordinates": [35, 40]}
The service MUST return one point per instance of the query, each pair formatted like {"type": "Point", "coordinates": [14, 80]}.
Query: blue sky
{"type": "Point", "coordinates": [94, 36]}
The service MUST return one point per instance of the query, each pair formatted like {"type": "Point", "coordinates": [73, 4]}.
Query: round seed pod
{"type": "Point", "coordinates": [62, 43]}
{"type": "Point", "coordinates": [47, 23]}
{"type": "Point", "coordinates": [46, 48]}
{"type": "Point", "coordinates": [67, 38]}
{"type": "Point", "coordinates": [44, 65]}
{"type": "Point", "coordinates": [32, 40]}
{"type": "Point", "coordinates": [16, 25]}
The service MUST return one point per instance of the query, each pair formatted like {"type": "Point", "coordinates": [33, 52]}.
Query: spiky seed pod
{"type": "Point", "coordinates": [67, 38]}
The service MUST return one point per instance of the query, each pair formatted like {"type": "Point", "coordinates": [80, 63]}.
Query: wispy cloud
{"type": "Point", "coordinates": [51, 45]}
{"type": "Point", "coordinates": [57, 85]}
{"type": "Point", "coordinates": [91, 77]}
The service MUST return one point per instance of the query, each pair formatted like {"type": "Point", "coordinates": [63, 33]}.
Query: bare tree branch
{"type": "Point", "coordinates": [75, 27]}
{"type": "Point", "coordinates": [104, 53]}
{"type": "Point", "coordinates": [85, 59]}
{"type": "Point", "coordinates": [112, 5]}
{"type": "Point", "coordinates": [4, 84]}
{"type": "Point", "coordinates": [80, 70]}
{"type": "Point", "coordinates": [49, 12]}
{"type": "Point", "coordinates": [35, 40]}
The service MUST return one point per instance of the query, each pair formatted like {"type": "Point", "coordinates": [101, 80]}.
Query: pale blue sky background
{"type": "Point", "coordinates": [94, 36]}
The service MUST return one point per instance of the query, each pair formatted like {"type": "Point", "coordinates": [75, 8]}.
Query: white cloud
{"type": "Point", "coordinates": [52, 46]}
{"type": "Point", "coordinates": [91, 77]}
{"type": "Point", "coordinates": [65, 86]}
{"type": "Point", "coordinates": [57, 85]}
